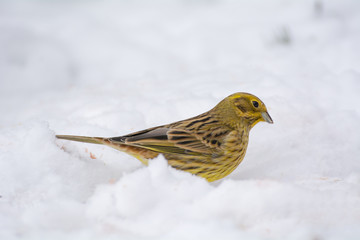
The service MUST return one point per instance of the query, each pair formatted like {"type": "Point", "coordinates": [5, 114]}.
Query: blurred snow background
{"type": "Point", "coordinates": [107, 68]}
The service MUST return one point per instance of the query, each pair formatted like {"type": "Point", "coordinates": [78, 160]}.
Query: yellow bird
{"type": "Point", "coordinates": [210, 145]}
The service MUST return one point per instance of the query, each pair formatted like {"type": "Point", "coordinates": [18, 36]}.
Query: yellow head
{"type": "Point", "coordinates": [246, 107]}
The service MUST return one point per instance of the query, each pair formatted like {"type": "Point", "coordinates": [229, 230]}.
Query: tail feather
{"type": "Point", "coordinates": [96, 140]}
{"type": "Point", "coordinates": [140, 153]}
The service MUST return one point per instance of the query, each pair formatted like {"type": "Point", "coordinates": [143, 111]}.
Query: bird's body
{"type": "Point", "coordinates": [210, 145]}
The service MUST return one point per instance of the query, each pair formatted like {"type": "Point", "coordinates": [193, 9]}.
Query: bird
{"type": "Point", "coordinates": [210, 145]}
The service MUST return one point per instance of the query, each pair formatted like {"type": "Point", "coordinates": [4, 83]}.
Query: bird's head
{"type": "Point", "coordinates": [248, 107]}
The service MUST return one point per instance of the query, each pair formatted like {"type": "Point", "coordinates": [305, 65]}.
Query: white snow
{"type": "Point", "coordinates": [108, 68]}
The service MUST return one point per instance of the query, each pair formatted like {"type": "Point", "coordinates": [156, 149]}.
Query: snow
{"type": "Point", "coordinates": [107, 68]}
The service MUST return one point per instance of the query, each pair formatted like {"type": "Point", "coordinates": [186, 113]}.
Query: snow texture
{"type": "Point", "coordinates": [108, 68]}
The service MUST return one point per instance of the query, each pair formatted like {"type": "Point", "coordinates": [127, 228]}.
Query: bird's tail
{"type": "Point", "coordinates": [96, 140]}
{"type": "Point", "coordinates": [140, 153]}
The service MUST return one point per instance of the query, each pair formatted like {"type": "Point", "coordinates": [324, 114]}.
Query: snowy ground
{"type": "Point", "coordinates": [107, 68]}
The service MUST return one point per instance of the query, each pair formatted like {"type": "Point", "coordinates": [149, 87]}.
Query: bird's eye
{"type": "Point", "coordinates": [255, 103]}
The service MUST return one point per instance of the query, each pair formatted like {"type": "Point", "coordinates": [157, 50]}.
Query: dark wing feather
{"type": "Point", "coordinates": [166, 140]}
{"type": "Point", "coordinates": [186, 140]}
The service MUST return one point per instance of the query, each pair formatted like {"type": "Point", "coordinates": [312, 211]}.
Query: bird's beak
{"type": "Point", "coordinates": [266, 117]}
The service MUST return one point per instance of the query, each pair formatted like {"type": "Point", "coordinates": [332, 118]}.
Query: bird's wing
{"type": "Point", "coordinates": [167, 140]}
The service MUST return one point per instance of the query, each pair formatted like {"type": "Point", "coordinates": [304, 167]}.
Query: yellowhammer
{"type": "Point", "coordinates": [210, 145]}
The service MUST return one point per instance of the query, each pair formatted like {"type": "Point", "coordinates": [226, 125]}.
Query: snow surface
{"type": "Point", "coordinates": [107, 68]}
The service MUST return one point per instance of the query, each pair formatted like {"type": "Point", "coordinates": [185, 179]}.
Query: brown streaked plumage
{"type": "Point", "coordinates": [210, 145]}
